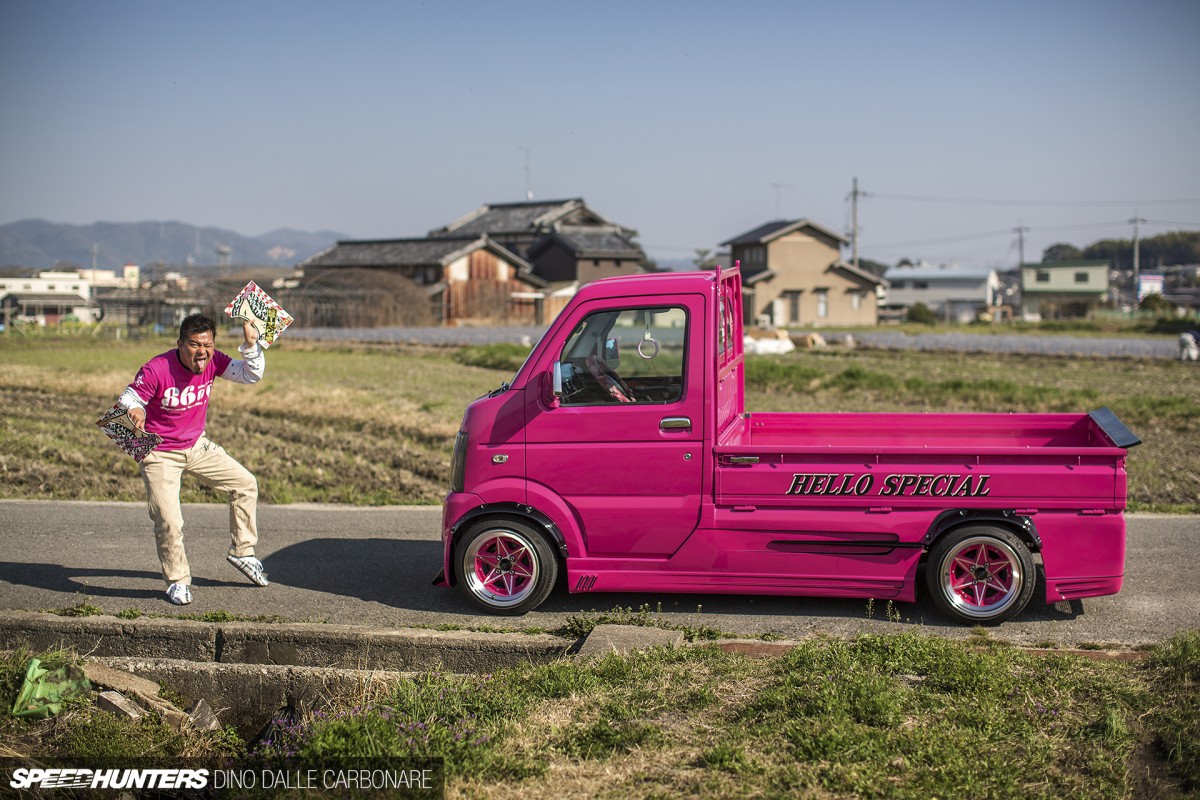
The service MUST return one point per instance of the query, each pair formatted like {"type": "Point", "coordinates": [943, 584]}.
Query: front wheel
{"type": "Point", "coordinates": [505, 566]}
{"type": "Point", "coordinates": [980, 574]}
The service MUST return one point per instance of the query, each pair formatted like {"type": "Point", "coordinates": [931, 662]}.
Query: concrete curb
{"type": "Point", "coordinates": [249, 671]}
{"type": "Point", "coordinates": [291, 644]}
{"type": "Point", "coordinates": [249, 696]}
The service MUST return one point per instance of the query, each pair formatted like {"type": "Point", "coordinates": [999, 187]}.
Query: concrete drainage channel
{"type": "Point", "coordinates": [247, 672]}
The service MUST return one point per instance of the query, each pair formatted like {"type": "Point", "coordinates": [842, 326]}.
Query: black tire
{"type": "Point", "coordinates": [981, 574]}
{"type": "Point", "coordinates": [505, 566]}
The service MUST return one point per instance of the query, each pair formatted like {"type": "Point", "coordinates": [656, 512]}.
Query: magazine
{"type": "Point", "coordinates": [255, 306]}
{"type": "Point", "coordinates": [117, 425]}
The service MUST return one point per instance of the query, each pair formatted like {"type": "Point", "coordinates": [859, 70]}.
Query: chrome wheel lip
{"type": "Point", "coordinates": [981, 577]}
{"type": "Point", "coordinates": [501, 568]}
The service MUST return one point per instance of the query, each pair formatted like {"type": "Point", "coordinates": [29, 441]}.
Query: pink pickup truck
{"type": "Point", "coordinates": [622, 452]}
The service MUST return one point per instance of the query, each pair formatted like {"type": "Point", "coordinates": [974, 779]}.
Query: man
{"type": "Point", "coordinates": [169, 397]}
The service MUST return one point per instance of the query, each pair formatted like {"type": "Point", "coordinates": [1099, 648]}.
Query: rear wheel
{"type": "Point", "coordinates": [980, 574]}
{"type": "Point", "coordinates": [505, 566]}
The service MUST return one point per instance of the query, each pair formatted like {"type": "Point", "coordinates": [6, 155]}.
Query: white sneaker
{"type": "Point", "coordinates": [179, 593]}
{"type": "Point", "coordinates": [249, 566]}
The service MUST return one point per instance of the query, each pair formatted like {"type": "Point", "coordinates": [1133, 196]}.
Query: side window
{"type": "Point", "coordinates": [632, 355]}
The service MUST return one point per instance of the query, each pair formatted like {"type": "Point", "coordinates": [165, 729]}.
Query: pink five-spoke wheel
{"type": "Point", "coordinates": [505, 566]}
{"type": "Point", "coordinates": [981, 574]}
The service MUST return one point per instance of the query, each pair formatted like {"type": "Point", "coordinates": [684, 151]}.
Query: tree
{"type": "Point", "coordinates": [1155, 303]}
{"type": "Point", "coordinates": [920, 314]}
{"type": "Point", "coordinates": [360, 298]}
{"type": "Point", "coordinates": [1062, 252]}
{"type": "Point", "coordinates": [704, 258]}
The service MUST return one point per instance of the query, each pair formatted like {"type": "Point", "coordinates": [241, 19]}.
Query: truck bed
{"type": "Point", "coordinates": [928, 433]}
{"type": "Point", "coordinates": [893, 461]}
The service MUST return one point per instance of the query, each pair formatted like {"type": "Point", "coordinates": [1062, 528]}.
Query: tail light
{"type": "Point", "coordinates": [458, 463]}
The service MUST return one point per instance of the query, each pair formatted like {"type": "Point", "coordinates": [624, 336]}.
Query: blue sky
{"type": "Point", "coordinates": [689, 121]}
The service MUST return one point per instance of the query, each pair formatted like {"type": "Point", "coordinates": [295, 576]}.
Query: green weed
{"type": "Point", "coordinates": [1174, 670]}
{"type": "Point", "coordinates": [81, 609]}
{"type": "Point", "coordinates": [580, 625]}
{"type": "Point", "coordinates": [906, 716]}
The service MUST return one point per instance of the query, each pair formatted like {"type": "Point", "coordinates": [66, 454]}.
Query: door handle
{"type": "Point", "coordinates": [674, 423]}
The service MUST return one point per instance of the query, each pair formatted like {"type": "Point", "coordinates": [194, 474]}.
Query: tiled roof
{"type": "Point", "coordinates": [392, 252]}
{"type": "Point", "coordinates": [1074, 264]}
{"type": "Point", "coordinates": [938, 274]}
{"type": "Point", "coordinates": [46, 299]}
{"type": "Point", "coordinates": [758, 234]}
{"type": "Point", "coordinates": [773, 230]}
{"type": "Point", "coordinates": [593, 242]}
{"type": "Point", "coordinates": [510, 217]}
{"type": "Point", "coordinates": [859, 272]}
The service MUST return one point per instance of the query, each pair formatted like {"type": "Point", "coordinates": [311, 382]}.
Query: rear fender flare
{"type": "Point", "coordinates": [1022, 526]}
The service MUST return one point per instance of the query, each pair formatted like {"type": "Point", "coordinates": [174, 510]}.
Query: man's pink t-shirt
{"type": "Point", "coordinates": [176, 398]}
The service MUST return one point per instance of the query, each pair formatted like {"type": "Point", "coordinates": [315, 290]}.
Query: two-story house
{"type": "Point", "coordinates": [1062, 289]}
{"type": "Point", "coordinates": [793, 276]}
{"type": "Point", "coordinates": [509, 262]}
{"type": "Point", "coordinates": [468, 277]}
{"type": "Point", "coordinates": [954, 294]}
{"type": "Point", "coordinates": [564, 241]}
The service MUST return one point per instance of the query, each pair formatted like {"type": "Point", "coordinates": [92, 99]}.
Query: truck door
{"type": "Point", "coordinates": [623, 443]}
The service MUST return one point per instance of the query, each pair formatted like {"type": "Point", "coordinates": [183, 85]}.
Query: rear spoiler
{"type": "Point", "coordinates": [1113, 428]}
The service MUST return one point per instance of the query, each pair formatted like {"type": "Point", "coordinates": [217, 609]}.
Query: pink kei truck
{"type": "Point", "coordinates": [622, 452]}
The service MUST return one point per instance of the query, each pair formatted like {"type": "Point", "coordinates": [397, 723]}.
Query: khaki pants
{"type": "Point", "coordinates": [208, 461]}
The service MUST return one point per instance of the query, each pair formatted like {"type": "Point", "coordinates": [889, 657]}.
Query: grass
{"type": "Point", "coordinates": [374, 425]}
{"type": "Point", "coordinates": [580, 625]}
{"type": "Point", "coordinates": [904, 716]}
{"type": "Point", "coordinates": [897, 716]}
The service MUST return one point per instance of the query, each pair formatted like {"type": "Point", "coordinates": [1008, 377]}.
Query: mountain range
{"type": "Point", "coordinates": [40, 244]}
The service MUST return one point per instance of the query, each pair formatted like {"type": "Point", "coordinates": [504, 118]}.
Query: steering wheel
{"type": "Point", "coordinates": [609, 380]}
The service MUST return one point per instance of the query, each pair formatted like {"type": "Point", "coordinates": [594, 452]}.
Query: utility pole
{"type": "Point", "coordinates": [92, 288]}
{"type": "Point", "coordinates": [854, 195]}
{"type": "Point", "coordinates": [1020, 231]}
{"type": "Point", "coordinates": [1137, 278]}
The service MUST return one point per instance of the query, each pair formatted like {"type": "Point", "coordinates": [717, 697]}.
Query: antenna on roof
{"type": "Point", "coordinates": [777, 187]}
{"type": "Point", "coordinates": [528, 185]}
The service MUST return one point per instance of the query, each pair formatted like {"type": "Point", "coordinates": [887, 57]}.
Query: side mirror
{"type": "Point", "coordinates": [612, 353]}
{"type": "Point", "coordinates": [556, 385]}
{"type": "Point", "coordinates": [564, 382]}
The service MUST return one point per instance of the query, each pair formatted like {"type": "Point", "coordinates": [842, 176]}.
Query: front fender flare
{"type": "Point", "coordinates": [519, 510]}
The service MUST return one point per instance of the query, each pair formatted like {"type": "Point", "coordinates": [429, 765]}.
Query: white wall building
{"type": "Point", "coordinates": [51, 296]}
{"type": "Point", "coordinates": [954, 294]}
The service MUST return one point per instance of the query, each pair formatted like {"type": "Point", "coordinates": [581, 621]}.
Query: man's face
{"type": "Point", "coordinates": [196, 350]}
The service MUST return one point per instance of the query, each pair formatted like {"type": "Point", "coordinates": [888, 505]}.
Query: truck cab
{"type": "Point", "coordinates": [623, 454]}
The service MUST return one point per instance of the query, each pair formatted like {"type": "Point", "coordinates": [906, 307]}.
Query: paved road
{"type": "Point", "coordinates": [1165, 346]}
{"type": "Point", "coordinates": [373, 566]}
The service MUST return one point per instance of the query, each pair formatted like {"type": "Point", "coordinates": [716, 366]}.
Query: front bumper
{"type": "Point", "coordinates": [455, 506]}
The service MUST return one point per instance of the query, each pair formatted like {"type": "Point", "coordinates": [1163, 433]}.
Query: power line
{"type": "Point", "coordinates": [1169, 222]}
{"type": "Point", "coordinates": [1005, 232]}
{"type": "Point", "coordinates": [948, 239]}
{"type": "Point", "coordinates": [998, 202]}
